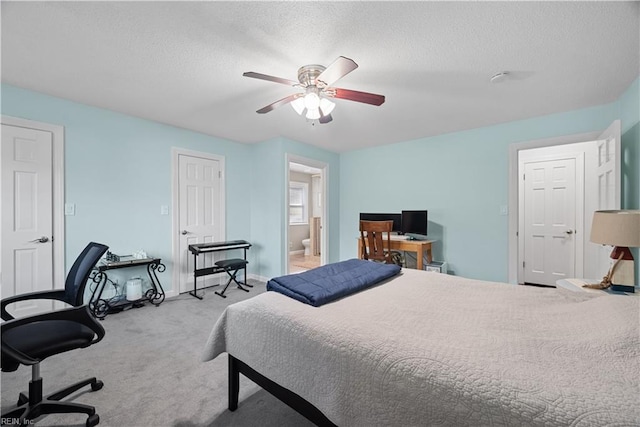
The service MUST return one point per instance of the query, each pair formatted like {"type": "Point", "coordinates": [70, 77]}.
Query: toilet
{"type": "Point", "coordinates": [306, 243]}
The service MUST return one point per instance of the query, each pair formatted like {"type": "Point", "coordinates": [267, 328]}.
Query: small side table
{"type": "Point", "coordinates": [576, 286]}
{"type": "Point", "coordinates": [155, 295]}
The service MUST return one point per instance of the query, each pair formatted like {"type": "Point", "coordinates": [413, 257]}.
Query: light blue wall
{"type": "Point", "coordinates": [118, 174]}
{"type": "Point", "coordinates": [267, 204]}
{"type": "Point", "coordinates": [268, 200]}
{"type": "Point", "coordinates": [629, 111]}
{"type": "Point", "coordinates": [462, 179]}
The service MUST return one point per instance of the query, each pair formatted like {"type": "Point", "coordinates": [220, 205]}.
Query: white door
{"type": "Point", "coordinates": [550, 221]}
{"type": "Point", "coordinates": [608, 187]}
{"type": "Point", "coordinates": [27, 212]}
{"type": "Point", "coordinates": [200, 216]}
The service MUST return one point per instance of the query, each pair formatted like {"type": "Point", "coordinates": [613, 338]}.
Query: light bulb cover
{"type": "Point", "coordinates": [298, 105]}
{"type": "Point", "coordinates": [326, 106]}
{"type": "Point", "coordinates": [313, 114]}
{"type": "Point", "coordinates": [311, 101]}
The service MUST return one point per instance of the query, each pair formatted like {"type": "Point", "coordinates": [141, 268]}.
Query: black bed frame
{"type": "Point", "coordinates": [306, 409]}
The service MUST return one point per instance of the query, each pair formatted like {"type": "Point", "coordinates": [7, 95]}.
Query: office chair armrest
{"type": "Point", "coordinates": [56, 295]}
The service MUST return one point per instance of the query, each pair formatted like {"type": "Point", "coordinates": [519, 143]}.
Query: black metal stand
{"type": "Point", "coordinates": [100, 307]}
{"type": "Point", "coordinates": [201, 248]}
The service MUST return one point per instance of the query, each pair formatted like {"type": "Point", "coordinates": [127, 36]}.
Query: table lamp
{"type": "Point", "coordinates": [620, 229]}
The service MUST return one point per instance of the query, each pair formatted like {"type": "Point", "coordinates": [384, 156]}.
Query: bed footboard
{"type": "Point", "coordinates": [306, 409]}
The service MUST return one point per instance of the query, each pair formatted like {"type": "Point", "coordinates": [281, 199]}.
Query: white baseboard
{"type": "Point", "coordinates": [260, 278]}
{"type": "Point", "coordinates": [171, 294]}
{"type": "Point", "coordinates": [296, 252]}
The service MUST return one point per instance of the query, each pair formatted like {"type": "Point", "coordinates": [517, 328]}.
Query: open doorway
{"type": "Point", "coordinates": [305, 215]}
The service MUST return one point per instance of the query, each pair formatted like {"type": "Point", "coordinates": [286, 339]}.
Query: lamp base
{"type": "Point", "coordinates": [623, 270]}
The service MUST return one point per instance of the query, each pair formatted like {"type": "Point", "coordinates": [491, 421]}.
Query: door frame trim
{"type": "Point", "coordinates": [176, 152]}
{"type": "Point", "coordinates": [513, 181]}
{"type": "Point", "coordinates": [57, 177]}
{"type": "Point", "coordinates": [324, 235]}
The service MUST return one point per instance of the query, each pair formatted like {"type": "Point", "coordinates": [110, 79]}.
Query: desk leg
{"type": "Point", "coordinates": [429, 257]}
{"type": "Point", "coordinates": [419, 255]}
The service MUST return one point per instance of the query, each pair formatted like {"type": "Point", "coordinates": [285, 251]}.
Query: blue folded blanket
{"type": "Point", "coordinates": [332, 281]}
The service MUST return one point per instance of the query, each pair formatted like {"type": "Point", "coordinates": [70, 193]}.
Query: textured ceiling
{"type": "Point", "coordinates": [181, 63]}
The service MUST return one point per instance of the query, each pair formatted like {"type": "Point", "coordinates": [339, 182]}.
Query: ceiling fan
{"type": "Point", "coordinates": [316, 82]}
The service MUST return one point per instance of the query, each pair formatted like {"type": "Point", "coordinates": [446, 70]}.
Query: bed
{"type": "Point", "coordinates": [425, 348]}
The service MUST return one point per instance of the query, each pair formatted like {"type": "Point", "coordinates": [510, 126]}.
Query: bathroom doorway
{"type": "Point", "coordinates": [305, 214]}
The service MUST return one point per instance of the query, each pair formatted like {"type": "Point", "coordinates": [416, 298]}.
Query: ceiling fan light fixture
{"type": "Point", "coordinates": [326, 106]}
{"type": "Point", "coordinates": [311, 101]}
{"type": "Point", "coordinates": [298, 105]}
{"type": "Point", "coordinates": [313, 114]}
{"type": "Point", "coordinates": [317, 83]}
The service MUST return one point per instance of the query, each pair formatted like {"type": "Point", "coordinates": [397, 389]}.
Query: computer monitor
{"type": "Point", "coordinates": [396, 218]}
{"type": "Point", "coordinates": [414, 223]}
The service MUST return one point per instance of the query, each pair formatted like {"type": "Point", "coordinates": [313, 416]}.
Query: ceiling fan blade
{"type": "Point", "coordinates": [270, 78]}
{"type": "Point", "coordinates": [338, 69]}
{"type": "Point", "coordinates": [354, 95]}
{"type": "Point", "coordinates": [325, 119]}
{"type": "Point", "coordinates": [278, 103]}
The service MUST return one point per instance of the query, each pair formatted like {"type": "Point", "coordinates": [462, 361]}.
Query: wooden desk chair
{"type": "Point", "coordinates": [375, 245]}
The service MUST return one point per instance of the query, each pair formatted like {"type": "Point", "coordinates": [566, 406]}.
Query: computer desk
{"type": "Point", "coordinates": [417, 246]}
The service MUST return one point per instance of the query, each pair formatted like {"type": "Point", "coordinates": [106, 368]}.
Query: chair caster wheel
{"type": "Point", "coordinates": [97, 385]}
{"type": "Point", "coordinates": [93, 420]}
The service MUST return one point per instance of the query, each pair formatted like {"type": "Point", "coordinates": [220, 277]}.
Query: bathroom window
{"type": "Point", "coordinates": [298, 203]}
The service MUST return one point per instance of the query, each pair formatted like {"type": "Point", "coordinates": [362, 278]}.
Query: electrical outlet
{"type": "Point", "coordinates": [164, 210]}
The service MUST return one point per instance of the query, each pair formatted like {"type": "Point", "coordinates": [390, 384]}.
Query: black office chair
{"type": "Point", "coordinates": [30, 340]}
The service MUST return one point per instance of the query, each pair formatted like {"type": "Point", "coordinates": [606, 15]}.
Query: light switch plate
{"type": "Point", "coordinates": [504, 210]}
{"type": "Point", "coordinates": [69, 209]}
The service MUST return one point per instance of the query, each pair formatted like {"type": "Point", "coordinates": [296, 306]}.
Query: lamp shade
{"type": "Point", "coordinates": [616, 228]}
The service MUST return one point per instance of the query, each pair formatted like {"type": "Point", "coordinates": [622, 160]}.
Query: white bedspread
{"type": "Point", "coordinates": [427, 349]}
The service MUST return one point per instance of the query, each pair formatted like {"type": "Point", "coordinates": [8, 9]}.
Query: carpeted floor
{"type": "Point", "coordinates": [150, 364]}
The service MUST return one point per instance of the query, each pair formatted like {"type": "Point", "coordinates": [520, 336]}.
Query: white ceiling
{"type": "Point", "coordinates": [181, 63]}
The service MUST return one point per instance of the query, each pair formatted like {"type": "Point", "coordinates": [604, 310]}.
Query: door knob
{"type": "Point", "coordinates": [43, 239]}
{"type": "Point", "coordinates": [184, 232]}
{"type": "Point", "coordinates": [569, 231]}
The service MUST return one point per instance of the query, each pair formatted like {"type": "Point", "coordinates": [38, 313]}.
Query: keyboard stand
{"type": "Point", "coordinates": [201, 248]}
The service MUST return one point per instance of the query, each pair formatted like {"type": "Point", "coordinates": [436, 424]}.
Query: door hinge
{"type": "Point", "coordinates": [220, 174]}
{"type": "Point", "coordinates": [522, 264]}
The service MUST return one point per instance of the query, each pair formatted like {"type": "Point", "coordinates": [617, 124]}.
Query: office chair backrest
{"type": "Point", "coordinates": [80, 271]}
{"type": "Point", "coordinates": [376, 246]}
